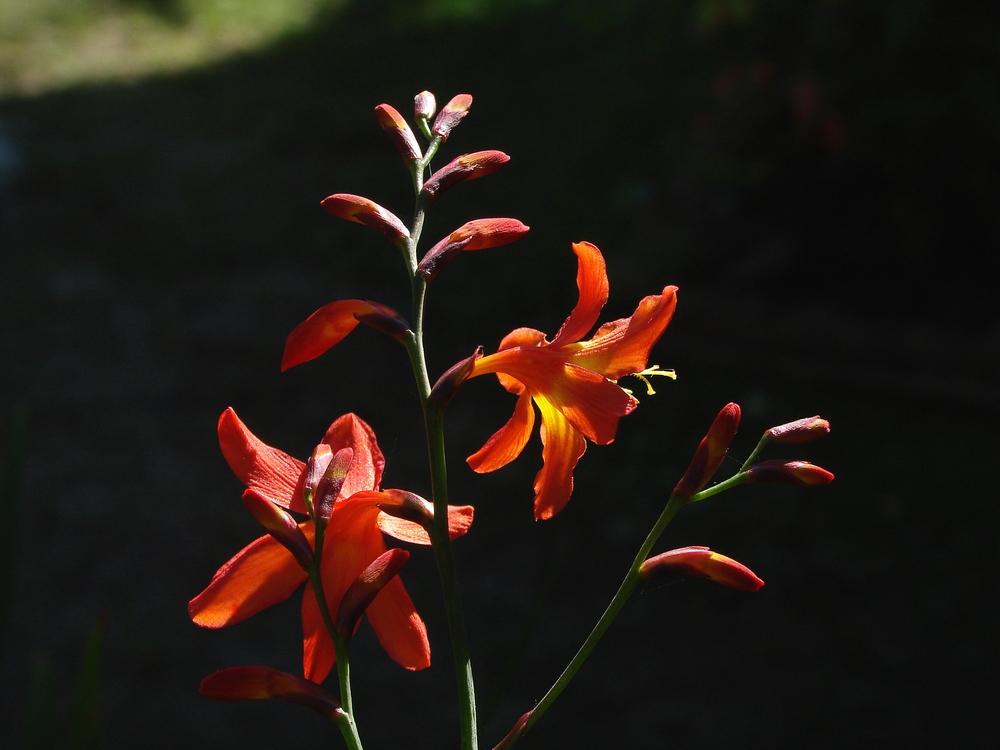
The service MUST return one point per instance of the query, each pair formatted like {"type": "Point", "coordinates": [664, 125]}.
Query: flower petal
{"type": "Point", "coordinates": [592, 281]}
{"type": "Point", "coordinates": [562, 447]}
{"type": "Point", "coordinates": [506, 443]}
{"type": "Point", "coordinates": [399, 628]}
{"type": "Point", "coordinates": [269, 471]}
{"type": "Point", "coordinates": [331, 323]}
{"type": "Point", "coordinates": [459, 521]}
{"type": "Point", "coordinates": [350, 431]}
{"type": "Point", "coordinates": [259, 575]}
{"type": "Point", "coordinates": [261, 683]}
{"type": "Point", "coordinates": [622, 347]}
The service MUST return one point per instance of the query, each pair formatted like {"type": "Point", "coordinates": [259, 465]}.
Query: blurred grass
{"type": "Point", "coordinates": [53, 44]}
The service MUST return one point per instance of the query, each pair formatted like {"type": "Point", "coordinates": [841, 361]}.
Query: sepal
{"type": "Point", "coordinates": [448, 384]}
{"type": "Point", "coordinates": [263, 683]}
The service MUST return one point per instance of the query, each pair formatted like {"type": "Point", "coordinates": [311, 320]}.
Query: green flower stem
{"type": "Point", "coordinates": [733, 481]}
{"type": "Point", "coordinates": [764, 440]}
{"type": "Point", "coordinates": [434, 428]}
{"type": "Point", "coordinates": [628, 585]}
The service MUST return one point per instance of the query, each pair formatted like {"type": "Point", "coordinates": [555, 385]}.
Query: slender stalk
{"type": "Point", "coordinates": [625, 590]}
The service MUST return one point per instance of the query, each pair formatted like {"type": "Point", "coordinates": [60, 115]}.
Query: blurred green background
{"type": "Point", "coordinates": [819, 177]}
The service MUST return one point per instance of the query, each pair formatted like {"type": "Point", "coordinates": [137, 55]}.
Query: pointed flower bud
{"type": "Point", "coordinates": [516, 732]}
{"type": "Point", "coordinates": [364, 590]}
{"type": "Point", "coordinates": [363, 211]}
{"type": "Point", "coordinates": [448, 384]}
{"type": "Point", "coordinates": [788, 472]}
{"type": "Point", "coordinates": [800, 431]}
{"type": "Point", "coordinates": [331, 323]}
{"type": "Point", "coordinates": [280, 525]}
{"type": "Point", "coordinates": [711, 452]}
{"type": "Point", "coordinates": [450, 115]}
{"type": "Point", "coordinates": [702, 562]}
{"type": "Point", "coordinates": [316, 467]}
{"type": "Point", "coordinates": [329, 486]}
{"type": "Point", "coordinates": [424, 105]}
{"type": "Point", "coordinates": [478, 234]}
{"type": "Point", "coordinates": [262, 683]}
{"type": "Point", "coordinates": [462, 168]}
{"type": "Point", "coordinates": [398, 131]}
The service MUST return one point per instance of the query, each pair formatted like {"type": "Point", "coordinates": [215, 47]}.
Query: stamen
{"type": "Point", "coordinates": [650, 372]}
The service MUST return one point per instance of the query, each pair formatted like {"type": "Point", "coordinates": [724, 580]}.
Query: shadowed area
{"type": "Point", "coordinates": [820, 180]}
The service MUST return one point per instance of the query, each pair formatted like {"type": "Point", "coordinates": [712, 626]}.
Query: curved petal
{"type": "Point", "coordinates": [562, 447]}
{"type": "Point", "coordinates": [259, 575]}
{"type": "Point", "coordinates": [321, 330]}
{"type": "Point", "coordinates": [272, 473]}
{"type": "Point", "coordinates": [350, 431]}
{"type": "Point", "coordinates": [506, 443]}
{"type": "Point", "coordinates": [459, 521]}
{"type": "Point", "coordinates": [592, 281]}
{"type": "Point", "coordinates": [399, 628]}
{"type": "Point", "coordinates": [622, 347]}
{"type": "Point", "coordinates": [528, 338]}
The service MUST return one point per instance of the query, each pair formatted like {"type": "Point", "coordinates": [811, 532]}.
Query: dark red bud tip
{"type": "Point", "coordinates": [450, 115]}
{"type": "Point", "coordinates": [280, 525]}
{"type": "Point", "coordinates": [364, 590]}
{"type": "Point", "coordinates": [704, 563]}
{"type": "Point", "coordinates": [711, 452]}
{"type": "Point", "coordinates": [363, 211]}
{"type": "Point", "coordinates": [448, 384]}
{"type": "Point", "coordinates": [424, 105]}
{"type": "Point", "coordinates": [330, 485]}
{"type": "Point", "coordinates": [263, 683]}
{"type": "Point", "coordinates": [800, 431]}
{"type": "Point", "coordinates": [462, 168]}
{"type": "Point", "coordinates": [398, 131]}
{"type": "Point", "coordinates": [788, 472]}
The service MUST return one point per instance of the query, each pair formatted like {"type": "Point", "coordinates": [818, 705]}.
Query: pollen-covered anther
{"type": "Point", "coordinates": [649, 372]}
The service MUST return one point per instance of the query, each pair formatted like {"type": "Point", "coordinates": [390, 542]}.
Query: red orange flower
{"type": "Point", "coordinates": [265, 572]}
{"type": "Point", "coordinates": [572, 382]}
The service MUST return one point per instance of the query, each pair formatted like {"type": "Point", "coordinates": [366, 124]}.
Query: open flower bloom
{"type": "Point", "coordinates": [265, 572]}
{"type": "Point", "coordinates": [572, 382]}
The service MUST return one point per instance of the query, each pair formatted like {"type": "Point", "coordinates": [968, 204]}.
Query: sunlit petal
{"type": "Point", "coordinates": [269, 471]}
{"type": "Point", "coordinates": [506, 443]}
{"type": "Point", "coordinates": [350, 431]}
{"type": "Point", "coordinates": [562, 447]}
{"type": "Point", "coordinates": [459, 521]}
{"type": "Point", "coordinates": [399, 628]}
{"type": "Point", "coordinates": [592, 281]}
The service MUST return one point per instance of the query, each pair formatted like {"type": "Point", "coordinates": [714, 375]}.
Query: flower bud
{"type": "Point", "coordinates": [800, 431]}
{"type": "Point", "coordinates": [363, 211]}
{"type": "Point", "coordinates": [711, 452]}
{"type": "Point", "coordinates": [280, 525]}
{"type": "Point", "coordinates": [424, 105]}
{"type": "Point", "coordinates": [462, 168]}
{"type": "Point", "coordinates": [262, 683]}
{"type": "Point", "coordinates": [788, 472]}
{"type": "Point", "coordinates": [447, 385]}
{"type": "Point", "coordinates": [364, 590]}
{"type": "Point", "coordinates": [316, 467]}
{"type": "Point", "coordinates": [516, 732]}
{"type": "Point", "coordinates": [450, 115]}
{"type": "Point", "coordinates": [398, 131]}
{"type": "Point", "coordinates": [702, 562]}
{"type": "Point", "coordinates": [331, 323]}
{"type": "Point", "coordinates": [478, 234]}
{"type": "Point", "coordinates": [331, 483]}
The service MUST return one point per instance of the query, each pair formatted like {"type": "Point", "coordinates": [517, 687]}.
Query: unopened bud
{"type": "Point", "coordinates": [424, 105]}
{"type": "Point", "coordinates": [711, 452]}
{"type": "Point", "coordinates": [478, 234]}
{"type": "Point", "coordinates": [462, 168]}
{"type": "Point", "coordinates": [702, 562]}
{"type": "Point", "coordinates": [280, 525]}
{"type": "Point", "coordinates": [788, 472]}
{"type": "Point", "coordinates": [316, 467]}
{"type": "Point", "coordinates": [331, 323]}
{"type": "Point", "coordinates": [448, 384]}
{"type": "Point", "coordinates": [371, 214]}
{"type": "Point", "coordinates": [516, 732]}
{"type": "Point", "coordinates": [800, 431]}
{"type": "Point", "coordinates": [262, 683]}
{"type": "Point", "coordinates": [331, 484]}
{"type": "Point", "coordinates": [398, 131]}
{"type": "Point", "coordinates": [364, 590]}
{"type": "Point", "coordinates": [450, 115]}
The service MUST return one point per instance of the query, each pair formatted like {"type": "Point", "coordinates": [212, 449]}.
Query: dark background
{"type": "Point", "coordinates": [819, 178]}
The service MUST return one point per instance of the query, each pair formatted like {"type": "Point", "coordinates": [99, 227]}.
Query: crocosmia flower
{"type": "Point", "coordinates": [265, 572]}
{"type": "Point", "coordinates": [572, 382]}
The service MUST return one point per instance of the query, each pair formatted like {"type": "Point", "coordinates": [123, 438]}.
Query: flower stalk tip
{"type": "Point", "coordinates": [704, 563]}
